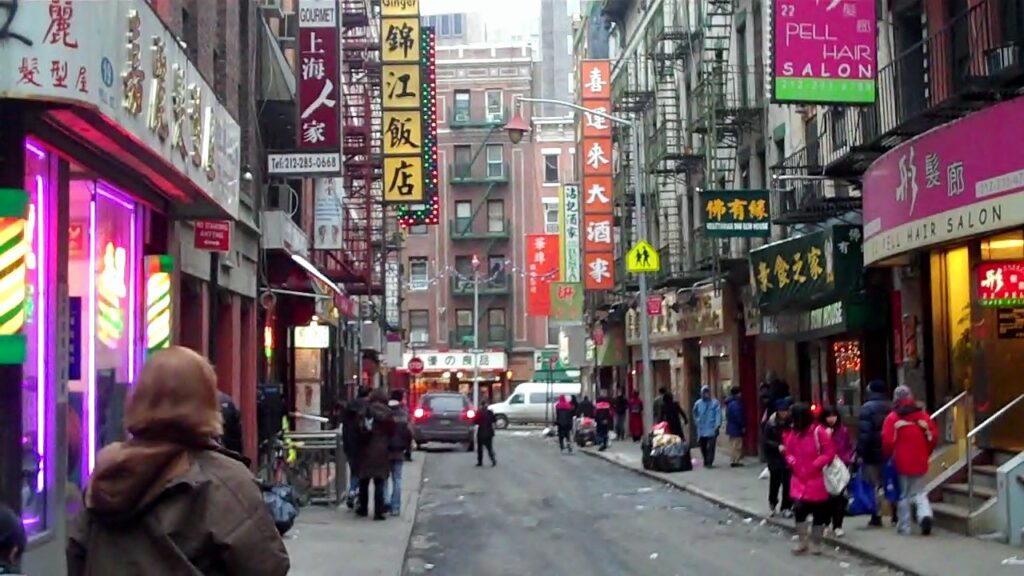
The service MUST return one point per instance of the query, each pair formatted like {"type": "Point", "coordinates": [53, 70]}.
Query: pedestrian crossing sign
{"type": "Point", "coordinates": [643, 259]}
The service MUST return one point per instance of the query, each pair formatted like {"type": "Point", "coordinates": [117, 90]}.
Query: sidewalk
{"type": "Point", "coordinates": [941, 554]}
{"type": "Point", "coordinates": [326, 539]}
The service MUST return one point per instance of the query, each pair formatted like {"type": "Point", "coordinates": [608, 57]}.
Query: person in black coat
{"type": "Point", "coordinates": [586, 408]}
{"type": "Point", "coordinates": [485, 435]}
{"type": "Point", "coordinates": [564, 414]}
{"type": "Point", "coordinates": [672, 413]}
{"type": "Point", "coordinates": [775, 429]}
{"type": "Point", "coordinates": [351, 440]}
{"type": "Point", "coordinates": [232, 438]}
{"type": "Point", "coordinates": [603, 418]}
{"type": "Point", "coordinates": [621, 406]}
{"type": "Point", "coordinates": [869, 435]}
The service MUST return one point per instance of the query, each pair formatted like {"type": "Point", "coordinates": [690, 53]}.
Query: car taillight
{"type": "Point", "coordinates": [419, 413]}
{"type": "Point", "coordinates": [470, 414]}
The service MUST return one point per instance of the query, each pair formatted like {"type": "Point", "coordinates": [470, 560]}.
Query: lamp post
{"type": "Point", "coordinates": [516, 128]}
{"type": "Point", "coordinates": [476, 332]}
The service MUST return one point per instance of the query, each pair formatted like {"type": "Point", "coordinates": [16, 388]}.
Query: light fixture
{"type": "Point", "coordinates": [516, 127]}
{"type": "Point", "coordinates": [309, 267]}
{"type": "Point", "coordinates": [1005, 243]}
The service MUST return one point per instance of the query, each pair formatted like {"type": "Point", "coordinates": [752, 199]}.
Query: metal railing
{"type": "Point", "coordinates": [970, 452]}
{"type": "Point", "coordinates": [948, 435]}
{"type": "Point", "coordinates": [462, 172]}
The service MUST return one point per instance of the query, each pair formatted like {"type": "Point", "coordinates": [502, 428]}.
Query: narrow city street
{"type": "Point", "coordinates": [541, 512]}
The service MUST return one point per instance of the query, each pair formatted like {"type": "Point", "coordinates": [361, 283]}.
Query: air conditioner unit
{"type": "Point", "coordinates": [461, 116]}
{"type": "Point", "coordinates": [419, 338]}
{"type": "Point", "coordinates": [494, 116]}
{"type": "Point", "coordinates": [551, 228]}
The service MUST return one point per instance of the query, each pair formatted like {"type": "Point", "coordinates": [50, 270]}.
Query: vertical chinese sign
{"type": "Point", "coordinates": [401, 55]}
{"type": "Point", "coordinates": [596, 195]}
{"type": "Point", "coordinates": [542, 258]}
{"type": "Point", "coordinates": [572, 249]}
{"type": "Point", "coordinates": [319, 77]}
{"type": "Point", "coordinates": [429, 211]}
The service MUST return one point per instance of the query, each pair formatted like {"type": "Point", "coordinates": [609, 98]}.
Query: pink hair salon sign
{"type": "Point", "coordinates": [961, 179]}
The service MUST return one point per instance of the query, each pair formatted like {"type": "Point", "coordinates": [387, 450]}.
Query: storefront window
{"type": "Point", "coordinates": [846, 357]}
{"type": "Point", "coordinates": [1008, 246]}
{"type": "Point", "coordinates": [958, 313]}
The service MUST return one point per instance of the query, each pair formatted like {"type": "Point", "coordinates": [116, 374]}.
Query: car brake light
{"type": "Point", "coordinates": [419, 413]}
{"type": "Point", "coordinates": [470, 414]}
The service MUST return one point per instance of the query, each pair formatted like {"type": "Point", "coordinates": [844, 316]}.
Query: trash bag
{"type": "Point", "coordinates": [282, 505]}
{"type": "Point", "coordinates": [891, 482]}
{"type": "Point", "coordinates": [862, 496]}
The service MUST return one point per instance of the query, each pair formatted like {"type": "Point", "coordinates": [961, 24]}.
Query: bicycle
{"type": "Point", "coordinates": [281, 465]}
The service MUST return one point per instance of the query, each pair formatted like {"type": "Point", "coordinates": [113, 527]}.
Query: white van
{"type": "Point", "coordinates": [532, 403]}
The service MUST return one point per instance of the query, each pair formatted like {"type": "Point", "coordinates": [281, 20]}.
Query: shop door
{"type": "Point", "coordinates": [1003, 384]}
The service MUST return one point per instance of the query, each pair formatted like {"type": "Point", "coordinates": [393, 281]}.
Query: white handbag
{"type": "Point", "coordinates": [837, 475]}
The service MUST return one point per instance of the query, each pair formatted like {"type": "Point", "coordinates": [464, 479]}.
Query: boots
{"type": "Point", "coordinates": [817, 535]}
{"type": "Point", "coordinates": [803, 532]}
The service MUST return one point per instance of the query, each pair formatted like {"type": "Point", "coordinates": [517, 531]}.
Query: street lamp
{"type": "Point", "coordinates": [516, 128]}
{"type": "Point", "coordinates": [476, 332]}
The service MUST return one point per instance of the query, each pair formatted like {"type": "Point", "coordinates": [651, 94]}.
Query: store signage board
{"type": "Point", "coordinates": [572, 250]}
{"type": "Point", "coordinates": [457, 360]}
{"type": "Point", "coordinates": [643, 258]}
{"type": "Point", "coordinates": [1010, 322]}
{"type": "Point", "coordinates": [328, 213]}
{"type": "Point", "coordinates": [319, 76]}
{"type": "Point", "coordinates": [654, 305]}
{"type": "Point", "coordinates": [824, 52]}
{"type": "Point", "coordinates": [213, 235]}
{"type": "Point", "coordinates": [1000, 284]}
{"type": "Point", "coordinates": [736, 213]}
{"type": "Point", "coordinates": [132, 74]}
{"type": "Point", "coordinates": [566, 303]}
{"type": "Point", "coordinates": [315, 336]}
{"type": "Point", "coordinates": [542, 265]}
{"type": "Point", "coordinates": [303, 163]}
{"type": "Point", "coordinates": [951, 183]}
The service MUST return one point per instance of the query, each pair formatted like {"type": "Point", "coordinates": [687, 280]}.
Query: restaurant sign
{"type": "Point", "coordinates": [456, 360]}
{"type": "Point", "coordinates": [808, 270]}
{"type": "Point", "coordinates": [1001, 284]}
{"type": "Point", "coordinates": [134, 73]}
{"type": "Point", "coordinates": [736, 213]}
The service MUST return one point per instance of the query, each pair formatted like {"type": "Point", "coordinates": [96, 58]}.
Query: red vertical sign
{"type": "Point", "coordinates": [542, 264]}
{"type": "Point", "coordinates": [318, 73]}
{"type": "Point", "coordinates": [596, 157]}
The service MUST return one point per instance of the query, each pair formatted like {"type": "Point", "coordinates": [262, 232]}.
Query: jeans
{"type": "Point", "coordinates": [378, 496]}
{"type": "Point", "coordinates": [620, 426]}
{"type": "Point", "coordinates": [707, 449]}
{"type": "Point", "coordinates": [481, 445]}
{"type": "Point", "coordinates": [602, 438]}
{"type": "Point", "coordinates": [912, 495]}
{"type": "Point", "coordinates": [779, 479]}
{"type": "Point", "coordinates": [353, 481]}
{"type": "Point", "coordinates": [396, 487]}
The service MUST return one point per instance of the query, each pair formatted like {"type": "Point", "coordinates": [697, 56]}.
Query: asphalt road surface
{"type": "Point", "coordinates": [543, 513]}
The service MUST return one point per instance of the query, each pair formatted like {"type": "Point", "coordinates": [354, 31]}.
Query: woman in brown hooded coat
{"type": "Point", "coordinates": [374, 459]}
{"type": "Point", "coordinates": [170, 501]}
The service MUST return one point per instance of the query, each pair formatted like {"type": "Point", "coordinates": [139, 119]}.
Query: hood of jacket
{"type": "Point", "coordinates": [563, 404]}
{"type": "Point", "coordinates": [379, 411]}
{"type": "Point", "coordinates": [907, 409]}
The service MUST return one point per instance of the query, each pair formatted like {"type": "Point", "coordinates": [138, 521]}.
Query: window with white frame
{"type": "Point", "coordinates": [495, 104]}
{"type": "Point", "coordinates": [495, 161]}
{"type": "Point", "coordinates": [418, 274]}
{"type": "Point", "coordinates": [553, 334]}
{"type": "Point", "coordinates": [551, 215]}
{"type": "Point", "coordinates": [496, 325]}
{"type": "Point", "coordinates": [418, 230]}
{"type": "Point", "coordinates": [419, 327]}
{"type": "Point", "coordinates": [495, 216]}
{"type": "Point", "coordinates": [551, 168]}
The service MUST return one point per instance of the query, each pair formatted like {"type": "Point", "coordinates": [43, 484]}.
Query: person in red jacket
{"type": "Point", "coordinates": [909, 436]}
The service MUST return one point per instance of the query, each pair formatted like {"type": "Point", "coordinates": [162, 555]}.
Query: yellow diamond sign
{"type": "Point", "coordinates": [643, 259]}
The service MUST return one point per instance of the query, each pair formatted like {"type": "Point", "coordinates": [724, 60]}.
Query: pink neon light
{"type": "Point", "coordinates": [91, 392]}
{"type": "Point", "coordinates": [133, 284]}
{"type": "Point", "coordinates": [115, 197]}
{"type": "Point", "coordinates": [35, 150]}
{"type": "Point", "coordinates": [41, 327]}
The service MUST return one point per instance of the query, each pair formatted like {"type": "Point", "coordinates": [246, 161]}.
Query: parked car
{"type": "Point", "coordinates": [532, 403]}
{"type": "Point", "coordinates": [445, 417]}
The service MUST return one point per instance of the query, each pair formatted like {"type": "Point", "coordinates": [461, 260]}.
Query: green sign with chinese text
{"type": "Point", "coordinates": [566, 302]}
{"type": "Point", "coordinates": [736, 213]}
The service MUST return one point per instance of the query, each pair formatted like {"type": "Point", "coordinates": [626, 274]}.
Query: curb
{"type": "Point", "coordinates": [844, 545]}
{"type": "Point", "coordinates": [414, 503]}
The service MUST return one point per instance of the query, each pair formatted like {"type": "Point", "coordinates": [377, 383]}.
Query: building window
{"type": "Point", "coordinates": [495, 105]}
{"type": "Point", "coordinates": [551, 169]}
{"type": "Point", "coordinates": [496, 269]}
{"type": "Point", "coordinates": [419, 327]}
{"type": "Point", "coordinates": [496, 325]}
{"type": "Point", "coordinates": [495, 161]}
{"type": "Point", "coordinates": [575, 167]}
{"type": "Point", "coordinates": [456, 24]}
{"type": "Point", "coordinates": [462, 106]}
{"type": "Point", "coordinates": [418, 280]}
{"type": "Point", "coordinates": [495, 216]}
{"type": "Point", "coordinates": [551, 215]}
{"type": "Point", "coordinates": [464, 327]}
{"type": "Point", "coordinates": [464, 273]}
{"type": "Point", "coordinates": [463, 157]}
{"type": "Point", "coordinates": [553, 333]}
{"type": "Point", "coordinates": [445, 29]}
{"type": "Point", "coordinates": [463, 216]}
{"type": "Point", "coordinates": [418, 230]}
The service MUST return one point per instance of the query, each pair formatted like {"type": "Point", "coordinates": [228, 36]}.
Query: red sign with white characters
{"type": "Point", "coordinates": [542, 266]}
{"type": "Point", "coordinates": [1001, 284]}
{"type": "Point", "coordinates": [596, 79]}
{"type": "Point", "coordinates": [599, 232]}
{"type": "Point", "coordinates": [597, 157]}
{"type": "Point", "coordinates": [654, 302]}
{"type": "Point", "coordinates": [597, 195]}
{"type": "Point", "coordinates": [213, 235]}
{"type": "Point", "coordinates": [318, 74]}
{"type": "Point", "coordinates": [595, 154]}
{"type": "Point", "coordinates": [599, 270]}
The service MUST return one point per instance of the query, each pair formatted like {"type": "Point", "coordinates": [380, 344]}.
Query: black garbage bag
{"type": "Point", "coordinates": [282, 505]}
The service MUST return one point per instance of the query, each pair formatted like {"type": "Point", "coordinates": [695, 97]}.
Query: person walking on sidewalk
{"type": "Point", "coordinates": [401, 441]}
{"type": "Point", "coordinates": [808, 449]}
{"type": "Point", "coordinates": [707, 413]}
{"type": "Point", "coordinates": [12, 541]}
{"type": "Point", "coordinates": [564, 414]}
{"type": "Point", "coordinates": [672, 414]}
{"type": "Point", "coordinates": [621, 409]}
{"type": "Point", "coordinates": [843, 445]}
{"type": "Point", "coordinates": [585, 408]}
{"type": "Point", "coordinates": [869, 439]}
{"type": "Point", "coordinates": [603, 420]}
{"type": "Point", "coordinates": [171, 500]}
{"type": "Point", "coordinates": [735, 425]}
{"type": "Point", "coordinates": [378, 425]}
{"type": "Point", "coordinates": [775, 431]}
{"type": "Point", "coordinates": [485, 434]}
{"type": "Point", "coordinates": [351, 440]}
{"type": "Point", "coordinates": [909, 436]}
{"type": "Point", "coordinates": [636, 416]}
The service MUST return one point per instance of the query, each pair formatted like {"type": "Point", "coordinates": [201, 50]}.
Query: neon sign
{"type": "Point", "coordinates": [158, 302]}
{"type": "Point", "coordinates": [110, 289]}
{"type": "Point", "coordinates": [13, 259]}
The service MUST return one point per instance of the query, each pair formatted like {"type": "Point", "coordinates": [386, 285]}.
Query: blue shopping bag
{"type": "Point", "coordinates": [891, 482]}
{"type": "Point", "coordinates": [862, 496]}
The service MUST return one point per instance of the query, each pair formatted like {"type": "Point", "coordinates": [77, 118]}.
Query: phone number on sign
{"type": "Point", "coordinates": [292, 163]}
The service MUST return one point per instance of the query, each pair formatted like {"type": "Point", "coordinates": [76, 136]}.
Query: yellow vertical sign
{"type": "Point", "coordinates": [403, 132]}
{"type": "Point", "coordinates": [402, 87]}
{"type": "Point", "coordinates": [403, 178]}
{"type": "Point", "coordinates": [400, 40]}
{"type": "Point", "coordinates": [402, 101]}
{"type": "Point", "coordinates": [391, 8]}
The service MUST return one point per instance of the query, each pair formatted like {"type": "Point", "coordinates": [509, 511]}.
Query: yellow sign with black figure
{"type": "Point", "coordinates": [400, 40]}
{"type": "Point", "coordinates": [403, 178]}
{"type": "Point", "coordinates": [643, 259]}
{"type": "Point", "coordinates": [401, 87]}
{"type": "Point", "coordinates": [389, 8]}
{"type": "Point", "coordinates": [403, 132]}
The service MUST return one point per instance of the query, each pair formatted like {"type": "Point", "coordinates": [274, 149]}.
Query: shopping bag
{"type": "Point", "coordinates": [862, 500]}
{"type": "Point", "coordinates": [282, 506]}
{"type": "Point", "coordinates": [891, 482]}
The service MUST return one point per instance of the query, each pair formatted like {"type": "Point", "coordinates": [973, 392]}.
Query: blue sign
{"type": "Point", "coordinates": [107, 70]}
{"type": "Point", "coordinates": [74, 338]}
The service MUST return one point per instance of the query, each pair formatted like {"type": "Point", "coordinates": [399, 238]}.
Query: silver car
{"type": "Point", "coordinates": [445, 417]}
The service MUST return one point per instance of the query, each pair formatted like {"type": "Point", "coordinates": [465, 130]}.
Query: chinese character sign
{"type": "Point", "coordinates": [1001, 284]}
{"type": "Point", "coordinates": [572, 247]}
{"type": "Point", "coordinates": [403, 179]}
{"type": "Point", "coordinates": [542, 268]}
{"type": "Point", "coordinates": [428, 212]}
{"type": "Point", "coordinates": [318, 71]}
{"type": "Point", "coordinates": [408, 141]}
{"type": "Point", "coordinates": [596, 192]}
{"type": "Point", "coordinates": [599, 270]}
{"type": "Point", "coordinates": [824, 52]}
{"type": "Point", "coordinates": [736, 213]}
{"type": "Point", "coordinates": [596, 80]}
{"type": "Point", "coordinates": [566, 302]}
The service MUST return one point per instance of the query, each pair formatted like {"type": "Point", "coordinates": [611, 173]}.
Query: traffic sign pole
{"type": "Point", "coordinates": [639, 188]}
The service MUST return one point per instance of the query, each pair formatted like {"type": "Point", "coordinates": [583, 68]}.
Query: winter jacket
{"type": "Point", "coordinates": [707, 414]}
{"type": "Point", "coordinates": [162, 509]}
{"type": "Point", "coordinates": [909, 436]}
{"type": "Point", "coordinates": [735, 419]}
{"type": "Point", "coordinates": [843, 443]}
{"type": "Point", "coordinates": [401, 438]}
{"type": "Point", "coordinates": [374, 461]}
{"type": "Point", "coordinates": [603, 415]}
{"type": "Point", "coordinates": [564, 414]}
{"type": "Point", "coordinates": [350, 427]}
{"type": "Point", "coordinates": [621, 405]}
{"type": "Point", "coordinates": [585, 409]}
{"type": "Point", "coordinates": [775, 431]}
{"type": "Point", "coordinates": [807, 455]}
{"type": "Point", "coordinates": [672, 414]}
{"type": "Point", "coordinates": [869, 428]}
{"type": "Point", "coordinates": [484, 424]}
{"type": "Point", "coordinates": [232, 438]}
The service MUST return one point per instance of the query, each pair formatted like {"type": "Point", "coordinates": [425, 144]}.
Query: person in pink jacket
{"type": "Point", "coordinates": [808, 449]}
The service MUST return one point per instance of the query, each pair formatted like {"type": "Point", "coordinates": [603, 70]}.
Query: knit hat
{"type": "Point", "coordinates": [878, 387]}
{"type": "Point", "coordinates": [902, 393]}
{"type": "Point", "coordinates": [12, 533]}
{"type": "Point", "coordinates": [782, 404]}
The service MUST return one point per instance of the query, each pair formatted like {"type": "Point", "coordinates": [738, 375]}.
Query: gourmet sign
{"type": "Point", "coordinates": [824, 51]}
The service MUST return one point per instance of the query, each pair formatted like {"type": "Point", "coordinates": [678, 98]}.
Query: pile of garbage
{"type": "Point", "coordinates": [666, 452]}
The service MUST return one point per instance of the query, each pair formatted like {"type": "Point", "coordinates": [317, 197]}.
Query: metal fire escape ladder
{"type": "Point", "coordinates": [483, 201]}
{"type": "Point", "coordinates": [721, 126]}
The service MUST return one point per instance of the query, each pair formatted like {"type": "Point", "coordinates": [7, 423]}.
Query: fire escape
{"type": "Point", "coordinates": [361, 147]}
